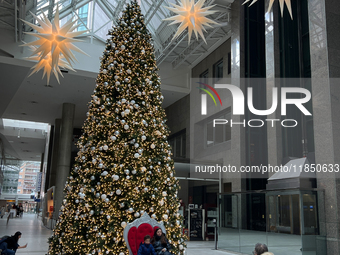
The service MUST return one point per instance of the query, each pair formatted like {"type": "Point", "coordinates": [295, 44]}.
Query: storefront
{"type": "Point", "coordinates": [288, 221]}
{"type": "Point", "coordinates": [48, 208]}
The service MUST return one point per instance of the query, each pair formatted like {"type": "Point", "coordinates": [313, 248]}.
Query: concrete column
{"type": "Point", "coordinates": [238, 136]}
{"type": "Point", "coordinates": [41, 171]}
{"type": "Point", "coordinates": [55, 153]}
{"type": "Point", "coordinates": [324, 24]}
{"type": "Point", "coordinates": [64, 155]}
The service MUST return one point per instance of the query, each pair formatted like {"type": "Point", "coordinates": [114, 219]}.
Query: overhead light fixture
{"type": "Point", "coordinates": [54, 45]}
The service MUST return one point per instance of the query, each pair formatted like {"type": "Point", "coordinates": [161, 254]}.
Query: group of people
{"type": "Point", "coordinates": [158, 245]}
{"type": "Point", "coordinates": [9, 244]}
{"type": "Point", "coordinates": [19, 210]}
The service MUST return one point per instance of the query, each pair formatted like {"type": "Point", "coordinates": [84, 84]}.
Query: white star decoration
{"type": "Point", "coordinates": [46, 63]}
{"type": "Point", "coordinates": [282, 2]}
{"type": "Point", "coordinates": [54, 43]}
{"type": "Point", "coordinates": [191, 15]}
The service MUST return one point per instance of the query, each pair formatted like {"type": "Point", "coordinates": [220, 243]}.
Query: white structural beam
{"type": "Point", "coordinates": [195, 45]}
{"type": "Point", "coordinates": [156, 5]}
{"type": "Point", "coordinates": [118, 10]}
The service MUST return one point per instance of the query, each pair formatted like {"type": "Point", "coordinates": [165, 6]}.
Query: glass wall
{"type": "Point", "coordinates": [295, 63]}
{"type": "Point", "coordinates": [288, 222]}
{"type": "Point", "coordinates": [10, 170]}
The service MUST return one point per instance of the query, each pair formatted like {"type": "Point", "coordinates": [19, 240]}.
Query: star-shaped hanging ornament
{"type": "Point", "coordinates": [282, 2]}
{"type": "Point", "coordinates": [191, 16]}
{"type": "Point", "coordinates": [46, 63]}
{"type": "Point", "coordinates": [54, 44]}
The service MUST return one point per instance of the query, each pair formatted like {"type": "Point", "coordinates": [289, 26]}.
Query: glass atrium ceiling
{"type": "Point", "coordinates": [98, 16]}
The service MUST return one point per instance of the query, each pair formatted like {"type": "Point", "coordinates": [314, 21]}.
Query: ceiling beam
{"type": "Point", "coordinates": [6, 8]}
{"type": "Point", "coordinates": [212, 48]}
{"type": "Point", "coordinates": [6, 23]}
{"type": "Point", "coordinates": [106, 9]}
{"type": "Point", "coordinates": [151, 12]}
{"type": "Point", "coordinates": [184, 55]}
{"type": "Point", "coordinates": [118, 10]}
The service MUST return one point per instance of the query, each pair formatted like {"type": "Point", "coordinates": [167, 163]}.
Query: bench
{"type": "Point", "coordinates": [135, 231]}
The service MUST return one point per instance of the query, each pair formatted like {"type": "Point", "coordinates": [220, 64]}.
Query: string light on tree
{"type": "Point", "coordinates": [123, 168]}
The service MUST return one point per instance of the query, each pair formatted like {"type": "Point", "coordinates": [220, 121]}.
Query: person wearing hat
{"type": "Point", "coordinates": [10, 244]}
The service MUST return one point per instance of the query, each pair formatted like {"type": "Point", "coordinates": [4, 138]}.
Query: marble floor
{"type": "Point", "coordinates": [36, 235]}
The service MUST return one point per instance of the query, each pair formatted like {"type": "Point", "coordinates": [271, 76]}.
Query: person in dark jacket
{"type": "Point", "coordinates": [12, 245]}
{"type": "Point", "coordinates": [145, 248]}
{"type": "Point", "coordinates": [160, 243]}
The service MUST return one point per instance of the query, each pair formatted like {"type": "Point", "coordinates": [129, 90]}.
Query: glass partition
{"type": "Point", "coordinates": [286, 220]}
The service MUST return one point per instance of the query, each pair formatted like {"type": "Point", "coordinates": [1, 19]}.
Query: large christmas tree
{"type": "Point", "coordinates": [124, 166]}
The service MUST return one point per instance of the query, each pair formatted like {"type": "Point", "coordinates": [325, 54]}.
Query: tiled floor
{"type": "Point", "coordinates": [204, 248]}
{"type": "Point", "coordinates": [36, 235]}
{"type": "Point", "coordinates": [244, 241]}
{"type": "Point", "coordinates": [33, 233]}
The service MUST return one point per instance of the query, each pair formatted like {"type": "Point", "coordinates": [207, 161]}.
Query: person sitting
{"type": "Point", "coordinates": [145, 248]}
{"type": "Point", "coordinates": [160, 243]}
{"type": "Point", "coordinates": [267, 253]}
{"type": "Point", "coordinates": [10, 245]}
{"type": "Point", "coordinates": [260, 249]}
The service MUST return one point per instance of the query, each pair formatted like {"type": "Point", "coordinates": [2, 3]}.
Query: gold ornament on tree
{"type": "Point", "coordinates": [282, 2]}
{"type": "Point", "coordinates": [191, 16]}
{"type": "Point", "coordinates": [54, 45]}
